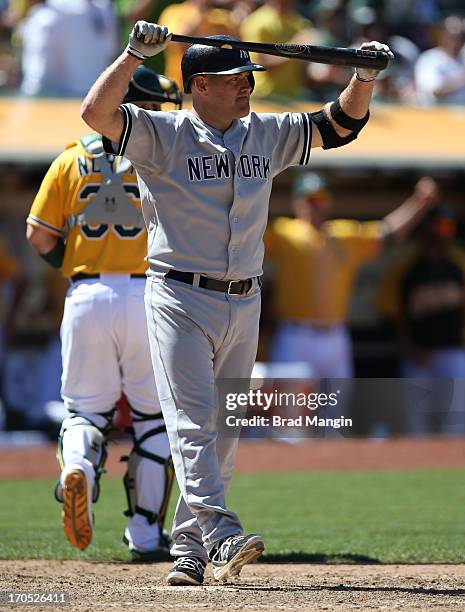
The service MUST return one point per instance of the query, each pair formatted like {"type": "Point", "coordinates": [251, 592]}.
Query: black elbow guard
{"type": "Point", "coordinates": [55, 257]}
{"type": "Point", "coordinates": [331, 139]}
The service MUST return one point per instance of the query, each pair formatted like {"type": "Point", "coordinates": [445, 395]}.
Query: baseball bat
{"type": "Point", "coordinates": [340, 56]}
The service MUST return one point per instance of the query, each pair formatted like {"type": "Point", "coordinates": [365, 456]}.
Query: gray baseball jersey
{"type": "Point", "coordinates": [205, 193]}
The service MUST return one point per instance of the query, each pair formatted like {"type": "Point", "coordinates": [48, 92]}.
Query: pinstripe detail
{"type": "Point", "coordinates": [126, 130]}
{"type": "Point", "coordinates": [108, 146]}
{"type": "Point", "coordinates": [36, 221]}
{"type": "Point", "coordinates": [307, 125]}
{"type": "Point", "coordinates": [310, 136]}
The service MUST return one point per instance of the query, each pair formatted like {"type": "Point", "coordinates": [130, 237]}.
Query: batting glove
{"type": "Point", "coordinates": [147, 40]}
{"type": "Point", "coordinates": [370, 74]}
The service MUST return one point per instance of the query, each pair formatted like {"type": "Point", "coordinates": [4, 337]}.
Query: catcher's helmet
{"type": "Point", "coordinates": [203, 59]}
{"type": "Point", "coordinates": [148, 86]}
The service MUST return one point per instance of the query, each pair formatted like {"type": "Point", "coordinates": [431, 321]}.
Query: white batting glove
{"type": "Point", "coordinates": [147, 40]}
{"type": "Point", "coordinates": [370, 74]}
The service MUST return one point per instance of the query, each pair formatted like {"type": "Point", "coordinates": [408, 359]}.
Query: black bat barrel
{"type": "Point", "coordinates": [339, 56]}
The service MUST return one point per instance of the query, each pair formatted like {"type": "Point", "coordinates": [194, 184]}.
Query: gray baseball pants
{"type": "Point", "coordinates": [197, 336]}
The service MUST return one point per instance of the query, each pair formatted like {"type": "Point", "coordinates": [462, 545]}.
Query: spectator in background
{"type": "Point", "coordinates": [331, 23]}
{"type": "Point", "coordinates": [135, 10]}
{"type": "Point", "coordinates": [423, 293]}
{"type": "Point", "coordinates": [130, 11]}
{"type": "Point", "coordinates": [10, 273]}
{"type": "Point", "coordinates": [440, 72]}
{"type": "Point", "coordinates": [451, 7]}
{"type": "Point", "coordinates": [65, 46]}
{"type": "Point", "coordinates": [278, 21]}
{"type": "Point", "coordinates": [219, 13]}
{"type": "Point", "coordinates": [17, 9]}
{"type": "Point", "coordinates": [9, 76]}
{"type": "Point", "coordinates": [315, 262]}
{"type": "Point", "coordinates": [31, 305]}
{"type": "Point", "coordinates": [195, 18]}
{"type": "Point", "coordinates": [32, 365]}
{"type": "Point", "coordinates": [411, 19]}
{"type": "Point", "coordinates": [331, 29]}
{"type": "Point", "coordinates": [398, 84]}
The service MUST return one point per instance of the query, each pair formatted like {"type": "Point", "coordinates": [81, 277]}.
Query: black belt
{"type": "Point", "coordinates": [230, 287]}
{"type": "Point", "coordinates": [82, 276]}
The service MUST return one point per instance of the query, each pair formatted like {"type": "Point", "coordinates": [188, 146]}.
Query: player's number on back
{"type": "Point", "coordinates": [97, 232]}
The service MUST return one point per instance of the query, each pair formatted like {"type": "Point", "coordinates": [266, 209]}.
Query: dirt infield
{"type": "Point", "coordinates": [263, 586]}
{"type": "Point", "coordinates": [118, 586]}
{"type": "Point", "coordinates": [267, 456]}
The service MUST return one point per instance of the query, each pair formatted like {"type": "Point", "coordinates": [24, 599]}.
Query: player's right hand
{"type": "Point", "coordinates": [147, 40]}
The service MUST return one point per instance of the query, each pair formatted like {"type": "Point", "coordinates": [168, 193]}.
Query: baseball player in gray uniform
{"type": "Point", "coordinates": [205, 178]}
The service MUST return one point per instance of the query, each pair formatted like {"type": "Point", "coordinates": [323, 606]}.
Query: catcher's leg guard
{"type": "Point", "coordinates": [81, 454]}
{"type": "Point", "coordinates": [148, 483]}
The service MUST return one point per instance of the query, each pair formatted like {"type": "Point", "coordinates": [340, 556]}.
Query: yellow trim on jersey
{"type": "Point", "coordinates": [65, 190]}
{"type": "Point", "coordinates": [315, 270]}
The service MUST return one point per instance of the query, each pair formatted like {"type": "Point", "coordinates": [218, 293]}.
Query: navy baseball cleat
{"type": "Point", "coordinates": [231, 554]}
{"type": "Point", "coordinates": [187, 571]}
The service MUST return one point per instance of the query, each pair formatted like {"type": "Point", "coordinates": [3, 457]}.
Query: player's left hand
{"type": "Point", "coordinates": [147, 40]}
{"type": "Point", "coordinates": [370, 74]}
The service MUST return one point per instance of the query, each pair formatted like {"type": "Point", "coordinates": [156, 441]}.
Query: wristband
{"type": "Point", "coordinates": [135, 53]}
{"type": "Point", "coordinates": [344, 120]}
{"type": "Point", "coordinates": [359, 78]}
{"type": "Point", "coordinates": [55, 257]}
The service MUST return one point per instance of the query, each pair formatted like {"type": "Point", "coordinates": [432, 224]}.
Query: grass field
{"type": "Point", "coordinates": [388, 517]}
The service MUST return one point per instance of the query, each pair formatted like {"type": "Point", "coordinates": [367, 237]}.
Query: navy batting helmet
{"type": "Point", "coordinates": [203, 59]}
{"type": "Point", "coordinates": [148, 86]}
